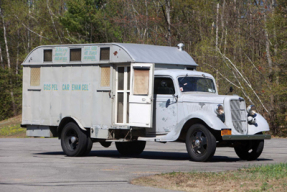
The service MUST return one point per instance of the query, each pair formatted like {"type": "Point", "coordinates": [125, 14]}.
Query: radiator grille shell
{"type": "Point", "coordinates": [239, 116]}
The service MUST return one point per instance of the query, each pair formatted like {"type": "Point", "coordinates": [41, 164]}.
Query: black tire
{"type": "Point", "coordinates": [200, 143]}
{"type": "Point", "coordinates": [74, 141]}
{"type": "Point", "coordinates": [106, 144]}
{"type": "Point", "coordinates": [249, 150]}
{"type": "Point", "coordinates": [130, 148]}
{"type": "Point", "coordinates": [89, 147]}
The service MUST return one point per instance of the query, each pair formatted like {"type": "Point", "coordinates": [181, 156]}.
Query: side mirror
{"type": "Point", "coordinates": [230, 90]}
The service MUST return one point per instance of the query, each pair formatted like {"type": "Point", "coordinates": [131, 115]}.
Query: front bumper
{"type": "Point", "coordinates": [245, 137]}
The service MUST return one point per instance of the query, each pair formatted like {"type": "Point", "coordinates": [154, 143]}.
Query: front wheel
{"type": "Point", "coordinates": [200, 143]}
{"type": "Point", "coordinates": [133, 148]}
{"type": "Point", "coordinates": [249, 150]}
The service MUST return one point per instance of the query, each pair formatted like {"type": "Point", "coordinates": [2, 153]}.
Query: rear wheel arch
{"type": "Point", "coordinates": [67, 120]}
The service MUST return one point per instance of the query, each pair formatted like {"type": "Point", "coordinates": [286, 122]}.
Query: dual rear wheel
{"type": "Point", "coordinates": [76, 142]}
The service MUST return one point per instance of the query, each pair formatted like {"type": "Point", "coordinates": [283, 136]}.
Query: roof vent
{"type": "Point", "coordinates": [180, 46]}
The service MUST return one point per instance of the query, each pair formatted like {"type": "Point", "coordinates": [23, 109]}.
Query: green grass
{"type": "Point", "coordinates": [11, 127]}
{"type": "Point", "coordinates": [11, 130]}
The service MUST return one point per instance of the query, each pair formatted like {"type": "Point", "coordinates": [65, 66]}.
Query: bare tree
{"type": "Point", "coordinates": [216, 38]}
{"type": "Point", "coordinates": [167, 10]}
{"type": "Point", "coordinates": [5, 39]}
{"type": "Point", "coordinates": [1, 58]}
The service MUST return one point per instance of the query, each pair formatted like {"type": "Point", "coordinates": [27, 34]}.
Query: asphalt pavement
{"type": "Point", "coordinates": [35, 164]}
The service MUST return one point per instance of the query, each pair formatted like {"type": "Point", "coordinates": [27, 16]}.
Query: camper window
{"type": "Point", "coordinates": [141, 81]}
{"type": "Point", "coordinates": [35, 76]}
{"type": "Point", "coordinates": [48, 55]}
{"type": "Point", "coordinates": [105, 76]}
{"type": "Point", "coordinates": [75, 54]}
{"type": "Point", "coordinates": [105, 53]}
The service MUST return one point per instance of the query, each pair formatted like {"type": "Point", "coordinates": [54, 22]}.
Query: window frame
{"type": "Point", "coordinates": [44, 55]}
{"type": "Point", "coordinates": [75, 48]}
{"type": "Point", "coordinates": [109, 88]}
{"type": "Point", "coordinates": [34, 88]}
{"type": "Point", "coordinates": [167, 77]}
{"type": "Point", "coordinates": [100, 59]}
{"type": "Point", "coordinates": [200, 92]}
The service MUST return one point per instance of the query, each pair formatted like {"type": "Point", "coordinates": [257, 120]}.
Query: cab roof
{"type": "Point", "coordinates": [181, 72]}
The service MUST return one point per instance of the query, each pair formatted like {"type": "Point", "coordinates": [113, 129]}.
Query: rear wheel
{"type": "Point", "coordinates": [74, 141]}
{"type": "Point", "coordinates": [249, 150]}
{"type": "Point", "coordinates": [130, 148]}
{"type": "Point", "coordinates": [89, 146]}
{"type": "Point", "coordinates": [106, 144]}
{"type": "Point", "coordinates": [200, 143]}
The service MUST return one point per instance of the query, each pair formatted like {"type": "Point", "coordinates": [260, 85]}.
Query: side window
{"type": "Point", "coordinates": [163, 86]}
{"type": "Point", "coordinates": [105, 76]}
{"type": "Point", "coordinates": [75, 54]}
{"type": "Point", "coordinates": [35, 76]}
{"type": "Point", "coordinates": [48, 55]}
{"type": "Point", "coordinates": [141, 81]}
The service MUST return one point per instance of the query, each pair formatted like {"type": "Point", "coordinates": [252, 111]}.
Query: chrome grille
{"type": "Point", "coordinates": [238, 114]}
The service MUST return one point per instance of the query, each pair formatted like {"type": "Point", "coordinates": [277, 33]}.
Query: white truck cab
{"type": "Point", "coordinates": [130, 94]}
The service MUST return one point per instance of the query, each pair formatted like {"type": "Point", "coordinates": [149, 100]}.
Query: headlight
{"type": "Point", "coordinates": [251, 110]}
{"type": "Point", "coordinates": [220, 113]}
{"type": "Point", "coordinates": [219, 110]}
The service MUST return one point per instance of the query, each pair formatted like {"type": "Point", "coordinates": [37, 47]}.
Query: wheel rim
{"type": "Point", "coordinates": [72, 140]}
{"type": "Point", "coordinates": [198, 143]}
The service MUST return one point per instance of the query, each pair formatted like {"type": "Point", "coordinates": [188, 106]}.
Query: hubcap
{"type": "Point", "coordinates": [199, 144]}
{"type": "Point", "coordinates": [73, 139]}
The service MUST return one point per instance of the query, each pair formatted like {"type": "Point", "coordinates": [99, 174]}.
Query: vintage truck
{"type": "Point", "coordinates": [130, 94]}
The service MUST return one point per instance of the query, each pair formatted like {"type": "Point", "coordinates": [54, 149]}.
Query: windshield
{"type": "Point", "coordinates": [196, 84]}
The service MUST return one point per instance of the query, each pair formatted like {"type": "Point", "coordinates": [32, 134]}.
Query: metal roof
{"type": "Point", "coordinates": [142, 53]}
{"type": "Point", "coordinates": [119, 53]}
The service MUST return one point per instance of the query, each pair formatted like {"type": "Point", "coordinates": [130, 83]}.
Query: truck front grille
{"type": "Point", "coordinates": [238, 114]}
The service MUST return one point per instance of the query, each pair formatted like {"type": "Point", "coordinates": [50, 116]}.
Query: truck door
{"type": "Point", "coordinates": [141, 95]}
{"type": "Point", "coordinates": [166, 106]}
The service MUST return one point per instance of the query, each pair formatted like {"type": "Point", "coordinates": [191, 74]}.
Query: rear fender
{"type": "Point", "coordinates": [66, 120]}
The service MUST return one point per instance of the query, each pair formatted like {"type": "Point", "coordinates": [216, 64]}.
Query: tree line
{"type": "Point", "coordinates": [241, 42]}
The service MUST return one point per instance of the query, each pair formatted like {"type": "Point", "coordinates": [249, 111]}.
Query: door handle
{"type": "Point", "coordinates": [111, 95]}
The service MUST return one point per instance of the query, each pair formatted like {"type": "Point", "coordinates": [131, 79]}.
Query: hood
{"type": "Point", "coordinates": [203, 98]}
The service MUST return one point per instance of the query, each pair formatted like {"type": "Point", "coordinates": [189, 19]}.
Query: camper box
{"type": "Point", "coordinates": [130, 94]}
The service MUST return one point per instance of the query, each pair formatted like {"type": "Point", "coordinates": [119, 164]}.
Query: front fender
{"type": "Point", "coordinates": [262, 125]}
{"type": "Point", "coordinates": [209, 118]}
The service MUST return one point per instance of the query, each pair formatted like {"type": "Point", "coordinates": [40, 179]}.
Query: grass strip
{"type": "Point", "coordinates": [271, 177]}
